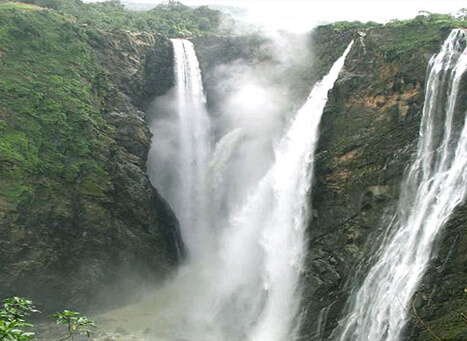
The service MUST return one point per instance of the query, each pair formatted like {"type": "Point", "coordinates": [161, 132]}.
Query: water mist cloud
{"type": "Point", "coordinates": [252, 108]}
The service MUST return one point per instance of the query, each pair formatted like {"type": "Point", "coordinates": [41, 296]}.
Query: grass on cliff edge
{"type": "Point", "coordinates": [411, 34]}
{"type": "Point", "coordinates": [52, 135]}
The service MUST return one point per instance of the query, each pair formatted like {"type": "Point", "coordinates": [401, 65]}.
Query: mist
{"type": "Point", "coordinates": [241, 205]}
{"type": "Point", "coordinates": [229, 199]}
{"type": "Point", "coordinates": [223, 198]}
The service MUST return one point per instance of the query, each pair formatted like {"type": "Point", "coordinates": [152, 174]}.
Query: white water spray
{"type": "Point", "coordinates": [245, 286]}
{"type": "Point", "coordinates": [263, 249]}
{"type": "Point", "coordinates": [435, 185]}
{"type": "Point", "coordinates": [186, 164]}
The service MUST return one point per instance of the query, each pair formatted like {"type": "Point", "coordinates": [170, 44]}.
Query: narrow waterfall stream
{"type": "Point", "coordinates": [241, 280]}
{"type": "Point", "coordinates": [435, 185]}
{"type": "Point", "coordinates": [183, 150]}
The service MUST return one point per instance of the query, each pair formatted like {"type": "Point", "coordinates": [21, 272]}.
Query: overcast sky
{"type": "Point", "coordinates": [302, 15]}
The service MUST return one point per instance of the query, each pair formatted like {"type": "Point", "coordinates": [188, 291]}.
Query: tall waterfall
{"type": "Point", "coordinates": [245, 285]}
{"type": "Point", "coordinates": [435, 185]}
{"type": "Point", "coordinates": [184, 158]}
{"type": "Point", "coordinates": [263, 249]}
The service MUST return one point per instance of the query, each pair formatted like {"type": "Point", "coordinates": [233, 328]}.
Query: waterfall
{"type": "Point", "coordinates": [283, 196]}
{"type": "Point", "coordinates": [185, 162]}
{"type": "Point", "coordinates": [435, 184]}
{"type": "Point", "coordinates": [245, 285]}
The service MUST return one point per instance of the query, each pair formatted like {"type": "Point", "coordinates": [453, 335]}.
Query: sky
{"type": "Point", "coordinates": [296, 15]}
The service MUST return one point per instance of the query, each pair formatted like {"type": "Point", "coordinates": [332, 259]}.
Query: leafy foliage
{"type": "Point", "coordinates": [405, 36]}
{"type": "Point", "coordinates": [341, 26]}
{"type": "Point", "coordinates": [51, 91]}
{"type": "Point", "coordinates": [171, 19]}
{"type": "Point", "coordinates": [13, 325]}
{"type": "Point", "coordinates": [17, 308]}
{"type": "Point", "coordinates": [419, 32]}
{"type": "Point", "coordinates": [424, 18]}
{"type": "Point", "coordinates": [75, 323]}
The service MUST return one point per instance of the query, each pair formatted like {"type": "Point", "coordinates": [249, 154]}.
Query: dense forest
{"type": "Point", "coordinates": [172, 18]}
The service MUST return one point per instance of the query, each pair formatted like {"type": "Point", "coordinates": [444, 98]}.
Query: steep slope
{"type": "Point", "coordinates": [368, 134]}
{"type": "Point", "coordinates": [78, 213]}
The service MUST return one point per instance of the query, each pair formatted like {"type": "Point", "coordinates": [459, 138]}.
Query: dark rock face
{"type": "Point", "coordinates": [367, 137]}
{"type": "Point", "coordinates": [140, 64]}
{"type": "Point", "coordinates": [65, 249]}
{"type": "Point", "coordinates": [368, 134]}
{"type": "Point", "coordinates": [441, 301]}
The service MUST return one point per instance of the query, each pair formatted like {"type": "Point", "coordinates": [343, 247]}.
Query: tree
{"type": "Point", "coordinates": [13, 325]}
{"type": "Point", "coordinates": [204, 24]}
{"type": "Point", "coordinates": [75, 323]}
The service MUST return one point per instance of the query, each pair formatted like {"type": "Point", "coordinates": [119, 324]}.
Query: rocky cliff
{"type": "Point", "coordinates": [78, 213]}
{"type": "Point", "coordinates": [369, 132]}
{"type": "Point", "coordinates": [368, 135]}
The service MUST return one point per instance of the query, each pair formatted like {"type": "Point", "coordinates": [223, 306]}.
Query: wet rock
{"type": "Point", "coordinates": [79, 245]}
{"type": "Point", "coordinates": [369, 132]}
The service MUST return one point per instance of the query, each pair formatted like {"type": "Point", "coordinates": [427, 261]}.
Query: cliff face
{"type": "Point", "coordinates": [368, 133]}
{"type": "Point", "coordinates": [78, 212]}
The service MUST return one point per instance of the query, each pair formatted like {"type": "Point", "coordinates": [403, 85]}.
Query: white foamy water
{"type": "Point", "coordinates": [435, 185]}
{"type": "Point", "coordinates": [241, 281]}
{"type": "Point", "coordinates": [182, 150]}
{"type": "Point", "coordinates": [267, 236]}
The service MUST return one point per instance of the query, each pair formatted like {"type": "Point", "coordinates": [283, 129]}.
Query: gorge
{"type": "Point", "coordinates": [434, 186]}
{"type": "Point", "coordinates": [274, 214]}
{"type": "Point", "coordinates": [249, 267]}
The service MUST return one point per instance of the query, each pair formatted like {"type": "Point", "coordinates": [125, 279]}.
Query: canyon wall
{"type": "Point", "coordinates": [78, 214]}
{"type": "Point", "coordinates": [369, 133]}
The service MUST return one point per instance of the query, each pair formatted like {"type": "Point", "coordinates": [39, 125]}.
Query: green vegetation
{"type": "Point", "coordinates": [428, 18]}
{"type": "Point", "coordinates": [13, 325]}
{"type": "Point", "coordinates": [424, 18]}
{"type": "Point", "coordinates": [420, 32]}
{"type": "Point", "coordinates": [172, 19]}
{"type": "Point", "coordinates": [52, 91]}
{"type": "Point", "coordinates": [15, 311]}
{"type": "Point", "coordinates": [19, 5]}
{"type": "Point", "coordinates": [451, 325]}
{"type": "Point", "coordinates": [75, 323]}
{"type": "Point", "coordinates": [403, 37]}
{"type": "Point", "coordinates": [51, 95]}
{"type": "Point", "coordinates": [341, 26]}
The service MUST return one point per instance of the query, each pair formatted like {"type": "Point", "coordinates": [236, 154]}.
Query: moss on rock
{"type": "Point", "coordinates": [78, 213]}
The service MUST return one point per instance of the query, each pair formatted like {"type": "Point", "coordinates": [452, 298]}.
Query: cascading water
{"type": "Point", "coordinates": [245, 285]}
{"type": "Point", "coordinates": [186, 162]}
{"type": "Point", "coordinates": [435, 185]}
{"type": "Point", "coordinates": [263, 248]}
